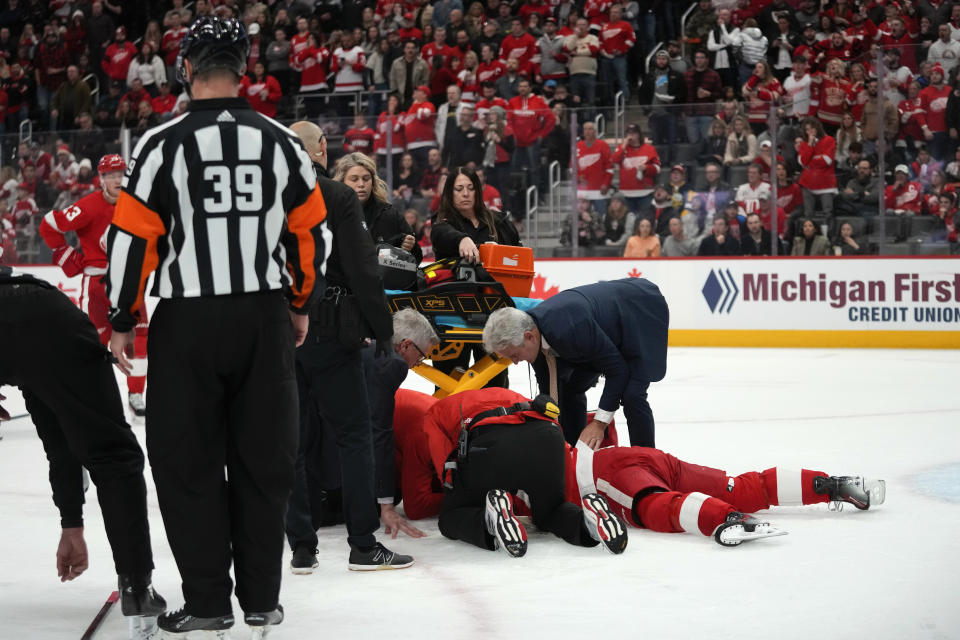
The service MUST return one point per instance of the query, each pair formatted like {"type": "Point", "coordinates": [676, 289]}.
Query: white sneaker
{"type": "Point", "coordinates": [604, 526]}
{"type": "Point", "coordinates": [137, 404]}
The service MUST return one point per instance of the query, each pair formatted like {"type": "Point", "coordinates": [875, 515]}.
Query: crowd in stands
{"type": "Point", "coordinates": [425, 85]}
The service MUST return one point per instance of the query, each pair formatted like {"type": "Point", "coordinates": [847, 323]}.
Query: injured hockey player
{"type": "Point", "coordinates": [646, 487]}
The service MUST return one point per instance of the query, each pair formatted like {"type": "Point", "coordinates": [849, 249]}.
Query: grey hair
{"type": "Point", "coordinates": [408, 324]}
{"type": "Point", "coordinates": [505, 328]}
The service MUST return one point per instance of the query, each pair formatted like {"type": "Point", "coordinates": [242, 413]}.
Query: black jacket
{"type": "Point", "coordinates": [676, 87]}
{"type": "Point", "coordinates": [461, 147]}
{"type": "Point", "coordinates": [446, 236]}
{"type": "Point", "coordinates": [765, 248]}
{"type": "Point", "coordinates": [353, 259]}
{"type": "Point", "coordinates": [710, 247]}
{"type": "Point", "coordinates": [386, 224]}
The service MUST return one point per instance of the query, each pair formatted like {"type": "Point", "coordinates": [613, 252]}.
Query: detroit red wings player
{"type": "Point", "coordinates": [89, 218]}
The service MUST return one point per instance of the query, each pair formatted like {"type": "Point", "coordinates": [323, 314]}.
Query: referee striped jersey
{"type": "Point", "coordinates": [221, 200]}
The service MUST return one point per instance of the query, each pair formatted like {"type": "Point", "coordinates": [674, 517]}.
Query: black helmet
{"type": "Point", "coordinates": [213, 43]}
{"type": "Point", "coordinates": [398, 267]}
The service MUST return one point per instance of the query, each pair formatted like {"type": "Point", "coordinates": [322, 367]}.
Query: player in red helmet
{"type": "Point", "coordinates": [89, 217]}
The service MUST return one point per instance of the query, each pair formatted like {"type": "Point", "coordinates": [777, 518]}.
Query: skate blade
{"type": "Point", "coordinates": [258, 633]}
{"type": "Point", "coordinates": [223, 634]}
{"type": "Point", "coordinates": [736, 535]}
{"type": "Point", "coordinates": [303, 571]}
{"type": "Point", "coordinates": [143, 627]}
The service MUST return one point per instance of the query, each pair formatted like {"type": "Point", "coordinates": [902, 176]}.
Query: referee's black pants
{"type": "Point", "coordinates": [222, 440]}
{"type": "Point", "coordinates": [50, 350]}
{"type": "Point", "coordinates": [334, 375]}
{"type": "Point", "coordinates": [526, 457]}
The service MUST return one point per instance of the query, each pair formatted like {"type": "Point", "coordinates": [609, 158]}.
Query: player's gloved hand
{"type": "Point", "coordinates": [69, 259]}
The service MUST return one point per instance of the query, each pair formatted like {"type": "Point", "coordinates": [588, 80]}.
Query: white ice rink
{"type": "Point", "coordinates": [891, 573]}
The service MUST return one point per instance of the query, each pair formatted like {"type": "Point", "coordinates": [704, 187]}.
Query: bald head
{"type": "Point", "coordinates": [313, 141]}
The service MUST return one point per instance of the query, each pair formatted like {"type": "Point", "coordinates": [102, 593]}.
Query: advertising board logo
{"type": "Point", "coordinates": [720, 291]}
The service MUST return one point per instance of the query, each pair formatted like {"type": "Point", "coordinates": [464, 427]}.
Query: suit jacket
{"type": "Point", "coordinates": [616, 328]}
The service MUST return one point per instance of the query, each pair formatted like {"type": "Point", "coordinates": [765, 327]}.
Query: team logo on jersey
{"type": "Point", "coordinates": [720, 291]}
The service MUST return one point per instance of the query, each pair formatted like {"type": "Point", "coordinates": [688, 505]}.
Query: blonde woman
{"type": "Point", "coordinates": [384, 222]}
{"type": "Point", "coordinates": [741, 143]}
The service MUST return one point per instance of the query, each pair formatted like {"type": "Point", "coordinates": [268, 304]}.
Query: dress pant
{"type": "Point", "coordinates": [526, 457]}
{"type": "Point", "coordinates": [222, 440]}
{"type": "Point", "coordinates": [333, 374]}
{"type": "Point", "coordinates": [52, 352]}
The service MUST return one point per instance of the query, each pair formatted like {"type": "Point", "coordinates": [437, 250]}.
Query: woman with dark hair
{"type": "Point", "coordinates": [463, 222]}
{"type": "Point", "coordinates": [384, 222]}
{"type": "Point", "coordinates": [810, 242]}
{"type": "Point", "coordinates": [846, 244]}
{"type": "Point", "coordinates": [149, 67]}
{"type": "Point", "coordinates": [816, 153]}
{"type": "Point", "coordinates": [407, 180]}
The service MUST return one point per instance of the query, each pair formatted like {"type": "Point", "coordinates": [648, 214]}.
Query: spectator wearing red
{"type": "Point", "coordinates": [312, 60]}
{"type": "Point", "coordinates": [490, 69]}
{"type": "Point", "coordinates": [836, 46]}
{"type": "Point", "coordinates": [489, 99]}
{"type": "Point", "coordinates": [749, 194]}
{"type": "Point", "coordinates": [262, 91]}
{"type": "Point", "coordinates": [467, 79]}
{"type": "Point", "coordinates": [597, 13]}
{"type": "Point", "coordinates": [861, 30]}
{"type": "Point", "coordinates": [616, 41]}
{"type": "Point", "coordinates": [764, 160]}
{"type": "Point", "coordinates": [531, 119]}
{"type": "Point", "coordinates": [117, 58]}
{"type": "Point", "coordinates": [857, 93]}
{"type": "Point", "coordinates": [765, 212]}
{"type": "Point", "coordinates": [136, 95]}
{"type": "Point", "coordinates": [18, 90]}
{"type": "Point", "coordinates": [390, 128]}
{"type": "Point", "coordinates": [438, 48]}
{"type": "Point", "coordinates": [164, 104]}
{"type": "Point", "coordinates": [832, 96]}
{"type": "Point", "coordinates": [913, 120]}
{"type": "Point", "coordinates": [299, 43]}
{"type": "Point", "coordinates": [409, 32]}
{"type": "Point", "coordinates": [762, 90]}
{"type": "Point", "coordinates": [75, 37]}
{"type": "Point", "coordinates": [933, 101]}
{"type": "Point", "coordinates": [433, 173]}
{"type": "Point", "coordinates": [25, 210]}
{"type": "Point", "coordinates": [530, 7]}
{"type": "Point", "coordinates": [903, 198]}
{"type": "Point", "coordinates": [816, 154]}
{"type": "Point", "coordinates": [349, 63]}
{"type": "Point", "coordinates": [491, 196]}
{"type": "Point", "coordinates": [359, 137]}
{"type": "Point", "coordinates": [441, 77]}
{"type": "Point", "coordinates": [703, 90]}
{"type": "Point", "coordinates": [50, 62]}
{"type": "Point", "coordinates": [594, 169]}
{"type": "Point", "coordinates": [419, 126]}
{"type": "Point", "coordinates": [898, 37]}
{"type": "Point", "coordinates": [520, 45]}
{"type": "Point", "coordinates": [170, 43]}
{"type": "Point", "coordinates": [789, 194]}
{"type": "Point", "coordinates": [639, 165]}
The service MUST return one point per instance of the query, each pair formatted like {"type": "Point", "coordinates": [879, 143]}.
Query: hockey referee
{"type": "Point", "coordinates": [222, 205]}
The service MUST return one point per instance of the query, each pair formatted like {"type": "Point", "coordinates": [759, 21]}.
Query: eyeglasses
{"type": "Point", "coordinates": [423, 356]}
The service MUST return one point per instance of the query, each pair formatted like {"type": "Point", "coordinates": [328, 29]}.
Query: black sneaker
{"type": "Point", "coordinates": [856, 490]}
{"type": "Point", "coordinates": [181, 622]}
{"type": "Point", "coordinates": [508, 533]}
{"type": "Point", "coordinates": [137, 597]}
{"type": "Point", "coordinates": [260, 623]}
{"type": "Point", "coordinates": [304, 561]}
{"type": "Point", "coordinates": [604, 526]}
{"type": "Point", "coordinates": [377, 558]}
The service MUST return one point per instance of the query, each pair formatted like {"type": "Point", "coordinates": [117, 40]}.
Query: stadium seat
{"type": "Point", "coordinates": [931, 248]}
{"type": "Point", "coordinates": [700, 178]}
{"type": "Point", "coordinates": [737, 175]}
{"type": "Point", "coordinates": [685, 153]}
{"type": "Point", "coordinates": [604, 251]}
{"type": "Point", "coordinates": [922, 225]}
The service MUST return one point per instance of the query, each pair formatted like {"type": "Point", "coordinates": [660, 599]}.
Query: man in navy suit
{"type": "Point", "coordinates": [616, 329]}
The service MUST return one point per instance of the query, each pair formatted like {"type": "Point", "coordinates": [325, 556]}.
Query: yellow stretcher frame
{"type": "Point", "coordinates": [450, 299]}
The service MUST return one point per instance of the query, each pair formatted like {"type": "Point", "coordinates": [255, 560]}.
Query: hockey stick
{"type": "Point", "coordinates": [101, 616]}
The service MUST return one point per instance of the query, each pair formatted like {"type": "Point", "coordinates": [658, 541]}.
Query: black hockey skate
{"type": "Point", "coordinates": [137, 404]}
{"type": "Point", "coordinates": [508, 534]}
{"type": "Point", "coordinates": [137, 597]}
{"type": "Point", "coordinates": [261, 623]}
{"type": "Point", "coordinates": [304, 560]}
{"type": "Point", "coordinates": [378, 558]}
{"type": "Point", "coordinates": [604, 526]}
{"type": "Point", "coordinates": [180, 625]}
{"type": "Point", "coordinates": [740, 528]}
{"type": "Point", "coordinates": [856, 490]}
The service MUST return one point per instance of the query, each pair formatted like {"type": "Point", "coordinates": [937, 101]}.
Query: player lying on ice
{"type": "Point", "coordinates": [644, 486]}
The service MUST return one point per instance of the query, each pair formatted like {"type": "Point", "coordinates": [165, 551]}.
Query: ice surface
{"type": "Point", "coordinates": [889, 573]}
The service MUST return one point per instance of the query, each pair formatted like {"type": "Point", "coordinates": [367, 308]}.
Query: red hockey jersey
{"type": "Point", "coordinates": [818, 174]}
{"type": "Point", "coordinates": [934, 103]}
{"type": "Point", "coordinates": [594, 169]}
{"type": "Point", "coordinates": [909, 197]}
{"type": "Point", "coordinates": [617, 38]}
{"type": "Point", "coordinates": [359, 140]}
{"type": "Point", "coordinates": [89, 217]}
{"type": "Point", "coordinates": [418, 128]}
{"type": "Point", "coordinates": [639, 167]}
{"type": "Point", "coordinates": [490, 71]}
{"type": "Point", "coordinates": [252, 90]}
{"type": "Point", "coordinates": [522, 48]}
{"type": "Point", "coordinates": [531, 118]}
{"type": "Point", "coordinates": [394, 124]}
